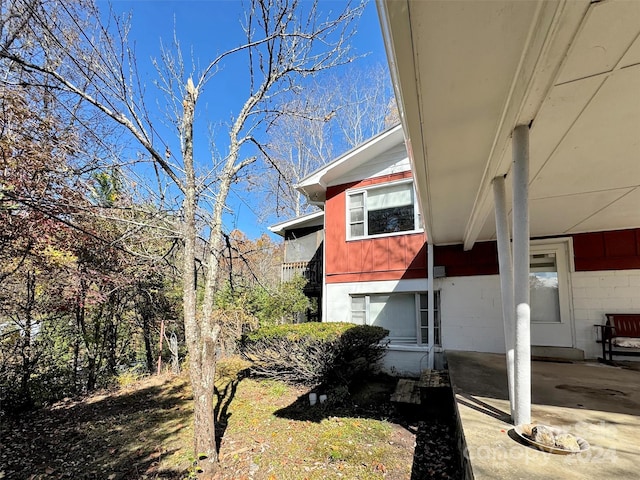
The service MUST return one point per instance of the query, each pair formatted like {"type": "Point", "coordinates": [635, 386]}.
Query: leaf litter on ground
{"type": "Point", "coordinates": [267, 430]}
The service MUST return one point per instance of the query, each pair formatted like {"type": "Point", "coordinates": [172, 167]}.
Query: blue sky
{"type": "Point", "coordinates": [208, 28]}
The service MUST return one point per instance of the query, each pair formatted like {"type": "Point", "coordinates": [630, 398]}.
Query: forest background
{"type": "Point", "coordinates": [121, 187]}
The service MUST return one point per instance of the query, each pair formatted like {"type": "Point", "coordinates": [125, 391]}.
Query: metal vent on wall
{"type": "Point", "coordinates": [439, 272]}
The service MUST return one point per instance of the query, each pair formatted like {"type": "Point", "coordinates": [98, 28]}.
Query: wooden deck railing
{"type": "Point", "coordinates": [312, 271]}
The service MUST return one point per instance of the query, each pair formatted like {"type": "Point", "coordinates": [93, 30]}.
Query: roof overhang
{"type": "Point", "coordinates": [467, 72]}
{"type": "Point", "coordinates": [314, 219]}
{"type": "Point", "coordinates": [314, 186]}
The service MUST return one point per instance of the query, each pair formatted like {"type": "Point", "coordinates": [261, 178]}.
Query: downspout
{"type": "Point", "coordinates": [323, 302]}
{"type": "Point", "coordinates": [430, 301]}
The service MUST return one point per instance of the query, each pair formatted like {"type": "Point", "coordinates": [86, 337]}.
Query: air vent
{"type": "Point", "coordinates": [439, 272]}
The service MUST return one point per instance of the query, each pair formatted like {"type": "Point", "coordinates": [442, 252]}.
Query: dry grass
{"type": "Point", "coordinates": [268, 431]}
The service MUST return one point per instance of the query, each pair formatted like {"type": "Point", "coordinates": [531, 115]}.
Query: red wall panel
{"type": "Point", "coordinates": [482, 259]}
{"type": "Point", "coordinates": [388, 258]}
{"type": "Point", "coordinates": [405, 256]}
{"type": "Point", "coordinates": [613, 250]}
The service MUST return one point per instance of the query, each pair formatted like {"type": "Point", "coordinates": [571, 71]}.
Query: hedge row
{"type": "Point", "coordinates": [312, 353]}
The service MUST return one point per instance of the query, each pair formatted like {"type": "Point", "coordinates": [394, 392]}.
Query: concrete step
{"type": "Point", "coordinates": [434, 379]}
{"type": "Point", "coordinates": [556, 353]}
{"type": "Point", "coordinates": [407, 391]}
{"type": "Point", "coordinates": [431, 386]}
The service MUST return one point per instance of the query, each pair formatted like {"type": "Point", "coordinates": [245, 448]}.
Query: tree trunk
{"type": "Point", "coordinates": [146, 333]}
{"type": "Point", "coordinates": [197, 331]}
{"type": "Point", "coordinates": [76, 358]}
{"type": "Point", "coordinates": [204, 420]}
{"type": "Point", "coordinates": [26, 352]}
{"type": "Point", "coordinates": [92, 374]}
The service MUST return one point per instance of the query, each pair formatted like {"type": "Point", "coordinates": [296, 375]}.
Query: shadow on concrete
{"type": "Point", "coordinates": [583, 385]}
{"type": "Point", "coordinates": [483, 407]}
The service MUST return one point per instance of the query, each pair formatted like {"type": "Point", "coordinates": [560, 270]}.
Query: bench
{"type": "Point", "coordinates": [620, 330]}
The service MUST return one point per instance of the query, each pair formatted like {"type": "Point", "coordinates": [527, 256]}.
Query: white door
{"type": "Point", "coordinates": [551, 322]}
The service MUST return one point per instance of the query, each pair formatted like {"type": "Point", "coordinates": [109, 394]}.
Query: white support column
{"type": "Point", "coordinates": [431, 299]}
{"type": "Point", "coordinates": [522, 357]}
{"type": "Point", "coordinates": [506, 279]}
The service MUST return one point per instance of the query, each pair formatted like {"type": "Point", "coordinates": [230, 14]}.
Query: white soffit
{"type": "Point", "coordinates": [311, 220]}
{"type": "Point", "coordinates": [480, 68]}
{"type": "Point", "coordinates": [314, 186]}
{"type": "Point", "coordinates": [613, 215]}
{"type": "Point", "coordinates": [608, 30]}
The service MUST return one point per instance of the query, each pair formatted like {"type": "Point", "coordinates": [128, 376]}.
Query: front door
{"type": "Point", "coordinates": [551, 322]}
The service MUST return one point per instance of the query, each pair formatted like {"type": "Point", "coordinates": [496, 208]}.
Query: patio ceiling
{"type": "Point", "coordinates": [467, 72]}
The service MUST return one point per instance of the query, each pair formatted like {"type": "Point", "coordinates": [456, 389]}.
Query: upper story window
{"type": "Point", "coordinates": [382, 210]}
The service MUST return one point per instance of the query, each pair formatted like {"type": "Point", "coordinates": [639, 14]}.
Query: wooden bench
{"type": "Point", "coordinates": [619, 326]}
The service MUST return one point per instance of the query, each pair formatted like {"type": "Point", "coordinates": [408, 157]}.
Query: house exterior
{"type": "Point", "coordinates": [374, 255]}
{"type": "Point", "coordinates": [303, 256]}
{"type": "Point", "coordinates": [522, 122]}
{"type": "Point", "coordinates": [366, 257]}
{"type": "Point", "coordinates": [521, 127]}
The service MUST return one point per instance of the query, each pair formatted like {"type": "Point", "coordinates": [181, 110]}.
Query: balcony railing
{"type": "Point", "coordinates": [311, 271]}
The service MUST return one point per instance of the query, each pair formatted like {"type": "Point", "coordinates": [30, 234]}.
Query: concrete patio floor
{"type": "Point", "coordinates": [597, 402]}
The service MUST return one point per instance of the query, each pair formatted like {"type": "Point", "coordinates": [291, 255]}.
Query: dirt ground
{"type": "Point", "coordinates": [266, 430]}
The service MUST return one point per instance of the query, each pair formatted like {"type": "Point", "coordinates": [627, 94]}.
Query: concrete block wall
{"type": "Point", "coordinates": [472, 308]}
{"type": "Point", "coordinates": [471, 313]}
{"type": "Point", "coordinates": [597, 293]}
{"type": "Point", "coordinates": [402, 360]}
{"type": "Point", "coordinates": [337, 296]}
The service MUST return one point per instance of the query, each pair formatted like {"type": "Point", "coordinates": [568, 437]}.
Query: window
{"type": "Point", "coordinates": [382, 210]}
{"type": "Point", "coordinates": [423, 308]}
{"type": "Point", "coordinates": [405, 315]}
{"type": "Point", "coordinates": [543, 288]}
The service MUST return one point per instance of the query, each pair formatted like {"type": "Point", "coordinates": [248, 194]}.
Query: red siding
{"type": "Point", "coordinates": [387, 258]}
{"type": "Point", "coordinates": [613, 250]}
{"type": "Point", "coordinates": [482, 259]}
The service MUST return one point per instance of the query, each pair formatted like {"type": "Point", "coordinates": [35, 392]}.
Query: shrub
{"type": "Point", "coordinates": [312, 353]}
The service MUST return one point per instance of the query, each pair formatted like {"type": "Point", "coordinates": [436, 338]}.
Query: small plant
{"type": "Point", "coordinates": [129, 377]}
{"type": "Point", "coordinates": [311, 353]}
{"type": "Point", "coordinates": [231, 368]}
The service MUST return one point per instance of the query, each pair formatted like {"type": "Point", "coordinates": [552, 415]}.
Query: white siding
{"type": "Point", "coordinates": [394, 160]}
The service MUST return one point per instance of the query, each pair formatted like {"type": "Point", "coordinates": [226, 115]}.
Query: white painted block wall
{"type": "Point", "coordinates": [471, 313]}
{"type": "Point", "coordinates": [337, 296]}
{"type": "Point", "coordinates": [402, 360]}
{"type": "Point", "coordinates": [597, 293]}
{"type": "Point", "coordinates": [472, 309]}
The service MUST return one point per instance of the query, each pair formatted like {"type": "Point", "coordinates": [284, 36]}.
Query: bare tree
{"type": "Point", "coordinates": [364, 104]}
{"type": "Point", "coordinates": [285, 41]}
{"type": "Point", "coordinates": [338, 112]}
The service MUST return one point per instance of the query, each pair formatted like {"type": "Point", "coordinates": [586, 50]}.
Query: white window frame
{"type": "Point", "coordinates": [421, 331]}
{"type": "Point", "coordinates": [416, 213]}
